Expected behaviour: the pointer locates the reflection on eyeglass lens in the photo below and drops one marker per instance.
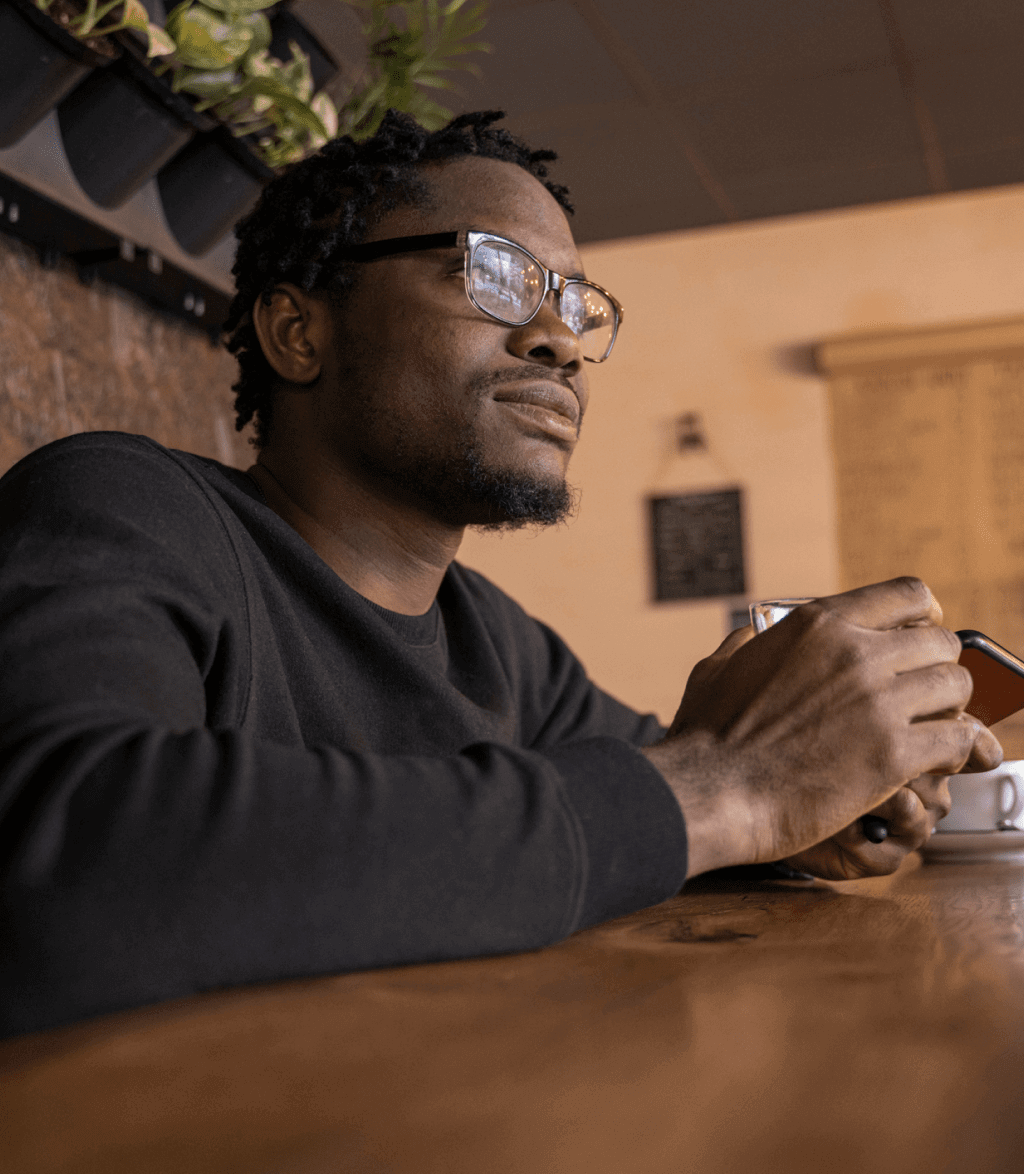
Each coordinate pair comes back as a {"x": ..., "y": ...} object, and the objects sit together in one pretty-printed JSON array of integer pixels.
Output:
[
  {"x": 506, "y": 282},
  {"x": 509, "y": 284}
]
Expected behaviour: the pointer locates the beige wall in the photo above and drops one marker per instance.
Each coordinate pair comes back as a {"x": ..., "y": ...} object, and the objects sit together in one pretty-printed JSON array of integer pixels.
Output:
[{"x": 715, "y": 320}]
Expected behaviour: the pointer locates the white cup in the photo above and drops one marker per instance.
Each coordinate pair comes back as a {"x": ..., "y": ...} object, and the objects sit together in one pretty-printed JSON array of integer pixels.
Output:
[{"x": 988, "y": 802}]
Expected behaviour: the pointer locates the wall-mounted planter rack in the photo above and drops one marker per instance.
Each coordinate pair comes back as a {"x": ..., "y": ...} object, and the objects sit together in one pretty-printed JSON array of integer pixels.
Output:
[
  {"x": 55, "y": 232},
  {"x": 121, "y": 124},
  {"x": 147, "y": 207},
  {"x": 42, "y": 63}
]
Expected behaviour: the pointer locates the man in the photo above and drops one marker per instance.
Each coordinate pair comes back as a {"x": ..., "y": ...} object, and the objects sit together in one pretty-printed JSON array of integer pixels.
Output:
[{"x": 258, "y": 726}]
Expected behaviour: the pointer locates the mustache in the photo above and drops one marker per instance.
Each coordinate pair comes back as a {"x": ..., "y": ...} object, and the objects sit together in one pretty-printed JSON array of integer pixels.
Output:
[{"x": 518, "y": 374}]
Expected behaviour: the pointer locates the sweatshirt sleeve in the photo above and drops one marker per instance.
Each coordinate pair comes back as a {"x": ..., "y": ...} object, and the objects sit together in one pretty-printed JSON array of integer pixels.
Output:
[{"x": 151, "y": 849}]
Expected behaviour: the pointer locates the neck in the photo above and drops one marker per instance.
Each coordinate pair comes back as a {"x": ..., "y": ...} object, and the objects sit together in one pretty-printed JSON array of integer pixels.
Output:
[{"x": 389, "y": 552}]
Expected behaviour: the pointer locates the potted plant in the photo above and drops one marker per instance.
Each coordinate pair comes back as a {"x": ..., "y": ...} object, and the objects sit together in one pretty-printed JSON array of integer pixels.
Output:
[
  {"x": 267, "y": 112},
  {"x": 270, "y": 104},
  {"x": 120, "y": 126},
  {"x": 410, "y": 59}
]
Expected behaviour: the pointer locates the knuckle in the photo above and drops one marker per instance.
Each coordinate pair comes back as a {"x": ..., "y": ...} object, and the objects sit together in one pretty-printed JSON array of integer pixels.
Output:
[
  {"x": 911, "y": 586},
  {"x": 951, "y": 641},
  {"x": 964, "y": 679},
  {"x": 814, "y": 614},
  {"x": 953, "y": 679}
]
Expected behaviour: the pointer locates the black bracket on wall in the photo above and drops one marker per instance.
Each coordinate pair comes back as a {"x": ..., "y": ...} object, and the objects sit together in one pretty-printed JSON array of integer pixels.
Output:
[{"x": 55, "y": 232}]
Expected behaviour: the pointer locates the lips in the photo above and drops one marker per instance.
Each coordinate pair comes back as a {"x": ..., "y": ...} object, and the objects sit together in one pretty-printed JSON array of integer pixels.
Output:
[{"x": 544, "y": 400}]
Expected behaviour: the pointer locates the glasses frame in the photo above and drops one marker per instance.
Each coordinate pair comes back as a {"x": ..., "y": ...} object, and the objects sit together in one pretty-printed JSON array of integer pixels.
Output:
[{"x": 469, "y": 239}]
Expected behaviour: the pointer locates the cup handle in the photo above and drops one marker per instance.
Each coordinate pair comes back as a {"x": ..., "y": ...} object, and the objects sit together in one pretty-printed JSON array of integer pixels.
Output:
[{"x": 1007, "y": 816}]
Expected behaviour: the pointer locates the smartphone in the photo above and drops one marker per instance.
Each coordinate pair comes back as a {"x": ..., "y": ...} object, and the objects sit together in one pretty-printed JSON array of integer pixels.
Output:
[{"x": 998, "y": 677}]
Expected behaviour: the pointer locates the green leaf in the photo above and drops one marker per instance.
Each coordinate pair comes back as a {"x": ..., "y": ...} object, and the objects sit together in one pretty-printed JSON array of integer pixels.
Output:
[
  {"x": 216, "y": 84},
  {"x": 296, "y": 109},
  {"x": 204, "y": 40},
  {"x": 238, "y": 7},
  {"x": 437, "y": 83},
  {"x": 160, "y": 44},
  {"x": 259, "y": 26},
  {"x": 324, "y": 108},
  {"x": 135, "y": 16}
]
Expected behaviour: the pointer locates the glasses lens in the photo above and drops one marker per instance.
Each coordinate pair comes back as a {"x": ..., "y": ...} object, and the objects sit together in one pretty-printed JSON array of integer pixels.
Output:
[
  {"x": 505, "y": 281},
  {"x": 588, "y": 313}
]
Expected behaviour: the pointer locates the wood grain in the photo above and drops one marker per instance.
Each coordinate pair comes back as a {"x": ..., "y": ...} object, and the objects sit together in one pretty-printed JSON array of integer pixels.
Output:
[{"x": 740, "y": 1027}]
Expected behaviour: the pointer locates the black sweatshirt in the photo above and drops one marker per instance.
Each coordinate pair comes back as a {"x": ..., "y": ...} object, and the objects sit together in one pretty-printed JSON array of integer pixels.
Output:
[{"x": 221, "y": 765}]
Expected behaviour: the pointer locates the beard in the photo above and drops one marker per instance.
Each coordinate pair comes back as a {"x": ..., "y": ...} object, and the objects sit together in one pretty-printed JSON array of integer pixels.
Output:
[
  {"x": 463, "y": 489},
  {"x": 447, "y": 470}
]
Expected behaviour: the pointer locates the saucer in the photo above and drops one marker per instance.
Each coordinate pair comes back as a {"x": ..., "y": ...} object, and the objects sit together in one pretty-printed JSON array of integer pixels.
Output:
[{"x": 974, "y": 845}]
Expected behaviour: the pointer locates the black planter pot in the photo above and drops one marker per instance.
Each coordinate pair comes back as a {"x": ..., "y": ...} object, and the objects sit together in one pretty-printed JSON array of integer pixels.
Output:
[
  {"x": 39, "y": 64},
  {"x": 121, "y": 126},
  {"x": 208, "y": 187}
]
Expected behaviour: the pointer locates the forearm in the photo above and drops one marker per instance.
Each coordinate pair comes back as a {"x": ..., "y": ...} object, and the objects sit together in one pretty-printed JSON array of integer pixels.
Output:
[{"x": 141, "y": 865}]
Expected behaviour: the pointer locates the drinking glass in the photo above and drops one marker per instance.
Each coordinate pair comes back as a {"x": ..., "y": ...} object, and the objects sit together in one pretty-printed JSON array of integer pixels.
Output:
[{"x": 766, "y": 612}]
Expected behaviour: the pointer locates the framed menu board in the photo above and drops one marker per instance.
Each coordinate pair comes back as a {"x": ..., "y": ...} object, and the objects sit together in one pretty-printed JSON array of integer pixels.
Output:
[
  {"x": 697, "y": 543},
  {"x": 928, "y": 434}
]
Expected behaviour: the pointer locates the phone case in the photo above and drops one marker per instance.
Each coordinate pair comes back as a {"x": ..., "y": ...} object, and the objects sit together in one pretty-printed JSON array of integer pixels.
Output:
[{"x": 998, "y": 677}]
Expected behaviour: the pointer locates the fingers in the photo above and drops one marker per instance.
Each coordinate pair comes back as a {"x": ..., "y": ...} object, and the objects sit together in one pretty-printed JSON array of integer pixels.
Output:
[
  {"x": 849, "y": 854},
  {"x": 933, "y": 791},
  {"x": 882, "y": 606},
  {"x": 944, "y": 746},
  {"x": 986, "y": 753},
  {"x": 932, "y": 690},
  {"x": 917, "y": 647},
  {"x": 907, "y": 816}
]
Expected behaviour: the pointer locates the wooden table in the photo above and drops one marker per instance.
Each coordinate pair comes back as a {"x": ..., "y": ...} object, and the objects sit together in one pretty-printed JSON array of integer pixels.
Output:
[{"x": 740, "y": 1028}]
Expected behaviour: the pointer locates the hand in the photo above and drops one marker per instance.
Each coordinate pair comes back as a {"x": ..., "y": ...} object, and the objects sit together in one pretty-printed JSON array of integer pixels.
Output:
[
  {"x": 911, "y": 814},
  {"x": 783, "y": 740}
]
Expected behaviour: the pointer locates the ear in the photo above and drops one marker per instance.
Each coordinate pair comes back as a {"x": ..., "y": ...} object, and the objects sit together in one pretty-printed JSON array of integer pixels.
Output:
[{"x": 293, "y": 332}]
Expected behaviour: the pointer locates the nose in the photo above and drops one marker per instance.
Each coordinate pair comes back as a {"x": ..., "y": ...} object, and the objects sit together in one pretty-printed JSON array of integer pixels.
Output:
[{"x": 547, "y": 340}]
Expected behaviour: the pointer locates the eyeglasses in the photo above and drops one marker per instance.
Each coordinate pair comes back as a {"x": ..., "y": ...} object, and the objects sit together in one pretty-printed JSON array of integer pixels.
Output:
[{"x": 508, "y": 283}]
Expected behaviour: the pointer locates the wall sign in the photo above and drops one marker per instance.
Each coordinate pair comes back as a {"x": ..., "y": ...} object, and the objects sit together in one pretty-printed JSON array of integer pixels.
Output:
[{"x": 697, "y": 543}]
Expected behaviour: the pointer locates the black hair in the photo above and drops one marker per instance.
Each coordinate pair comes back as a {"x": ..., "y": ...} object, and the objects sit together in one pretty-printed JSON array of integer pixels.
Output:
[{"x": 324, "y": 204}]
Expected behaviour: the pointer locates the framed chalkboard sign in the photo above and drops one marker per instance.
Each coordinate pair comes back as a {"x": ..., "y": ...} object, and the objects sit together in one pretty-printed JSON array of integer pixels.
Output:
[{"x": 697, "y": 542}]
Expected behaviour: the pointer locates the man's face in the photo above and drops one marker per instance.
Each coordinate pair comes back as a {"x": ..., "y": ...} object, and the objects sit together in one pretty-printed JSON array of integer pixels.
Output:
[{"x": 432, "y": 402}]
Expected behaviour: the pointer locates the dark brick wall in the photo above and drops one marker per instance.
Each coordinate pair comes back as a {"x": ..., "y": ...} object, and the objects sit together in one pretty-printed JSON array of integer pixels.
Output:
[{"x": 75, "y": 358}]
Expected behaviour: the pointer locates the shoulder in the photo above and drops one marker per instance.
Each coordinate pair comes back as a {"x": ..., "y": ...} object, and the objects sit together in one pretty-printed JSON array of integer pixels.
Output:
[
  {"x": 488, "y": 599},
  {"x": 92, "y": 467},
  {"x": 115, "y": 484},
  {"x": 524, "y": 638}
]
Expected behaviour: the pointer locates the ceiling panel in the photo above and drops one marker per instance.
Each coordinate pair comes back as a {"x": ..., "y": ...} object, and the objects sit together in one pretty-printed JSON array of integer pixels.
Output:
[
  {"x": 852, "y": 119},
  {"x": 952, "y": 27},
  {"x": 984, "y": 169},
  {"x": 694, "y": 43},
  {"x": 816, "y": 189},
  {"x": 544, "y": 56},
  {"x": 674, "y": 114},
  {"x": 622, "y": 167},
  {"x": 977, "y": 100}
]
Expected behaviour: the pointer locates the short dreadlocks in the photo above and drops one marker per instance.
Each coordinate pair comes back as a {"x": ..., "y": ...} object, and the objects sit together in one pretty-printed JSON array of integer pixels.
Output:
[{"x": 326, "y": 203}]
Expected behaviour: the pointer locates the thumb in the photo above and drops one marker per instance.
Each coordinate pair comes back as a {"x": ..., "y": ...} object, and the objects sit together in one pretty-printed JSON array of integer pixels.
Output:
[{"x": 711, "y": 665}]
